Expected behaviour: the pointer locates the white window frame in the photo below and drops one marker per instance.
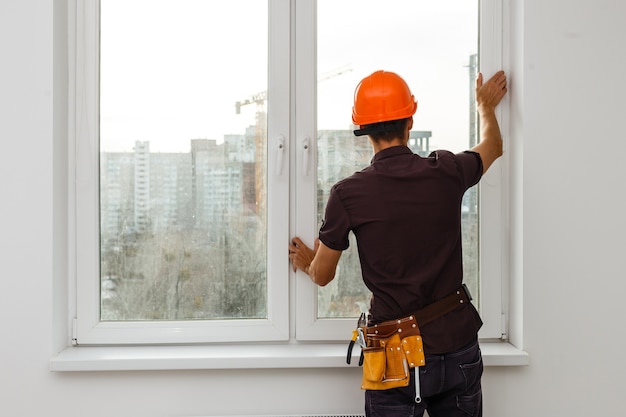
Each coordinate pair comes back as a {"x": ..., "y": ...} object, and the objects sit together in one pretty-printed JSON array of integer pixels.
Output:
[
  {"x": 84, "y": 200},
  {"x": 286, "y": 322},
  {"x": 493, "y": 197}
]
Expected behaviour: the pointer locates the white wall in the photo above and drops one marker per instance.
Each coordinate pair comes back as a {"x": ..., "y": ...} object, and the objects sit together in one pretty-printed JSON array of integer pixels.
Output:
[
  {"x": 568, "y": 67},
  {"x": 570, "y": 108}
]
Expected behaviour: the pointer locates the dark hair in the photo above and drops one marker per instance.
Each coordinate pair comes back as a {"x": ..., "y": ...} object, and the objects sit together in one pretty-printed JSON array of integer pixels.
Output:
[{"x": 385, "y": 131}]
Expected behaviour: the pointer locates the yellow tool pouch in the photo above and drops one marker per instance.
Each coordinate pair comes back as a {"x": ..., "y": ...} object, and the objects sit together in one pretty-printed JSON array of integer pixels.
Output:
[{"x": 392, "y": 349}]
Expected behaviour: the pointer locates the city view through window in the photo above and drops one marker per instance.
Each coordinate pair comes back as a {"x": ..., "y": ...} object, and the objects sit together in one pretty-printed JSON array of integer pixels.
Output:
[{"x": 183, "y": 155}]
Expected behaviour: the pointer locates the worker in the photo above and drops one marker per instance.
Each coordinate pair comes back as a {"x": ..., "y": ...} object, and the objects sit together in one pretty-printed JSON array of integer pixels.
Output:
[{"x": 405, "y": 212}]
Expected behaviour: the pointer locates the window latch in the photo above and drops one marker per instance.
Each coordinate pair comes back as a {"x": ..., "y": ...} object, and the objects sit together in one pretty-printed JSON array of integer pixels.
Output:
[
  {"x": 280, "y": 151},
  {"x": 306, "y": 147}
]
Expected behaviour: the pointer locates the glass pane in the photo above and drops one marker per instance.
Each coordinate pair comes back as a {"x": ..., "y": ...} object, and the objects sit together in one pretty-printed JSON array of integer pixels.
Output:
[
  {"x": 182, "y": 159},
  {"x": 433, "y": 45}
]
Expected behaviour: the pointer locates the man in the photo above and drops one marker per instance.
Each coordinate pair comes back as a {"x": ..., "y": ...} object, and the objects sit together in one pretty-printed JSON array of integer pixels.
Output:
[{"x": 405, "y": 212}]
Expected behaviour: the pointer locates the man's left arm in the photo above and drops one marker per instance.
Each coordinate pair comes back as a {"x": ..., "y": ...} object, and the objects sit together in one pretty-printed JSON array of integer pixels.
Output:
[{"x": 319, "y": 263}]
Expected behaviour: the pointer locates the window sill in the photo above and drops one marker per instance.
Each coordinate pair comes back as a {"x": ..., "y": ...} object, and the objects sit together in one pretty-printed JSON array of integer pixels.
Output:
[{"x": 144, "y": 358}]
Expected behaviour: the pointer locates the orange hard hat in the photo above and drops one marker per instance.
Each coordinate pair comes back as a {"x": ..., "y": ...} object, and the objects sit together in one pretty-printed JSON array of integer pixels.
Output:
[{"x": 380, "y": 97}]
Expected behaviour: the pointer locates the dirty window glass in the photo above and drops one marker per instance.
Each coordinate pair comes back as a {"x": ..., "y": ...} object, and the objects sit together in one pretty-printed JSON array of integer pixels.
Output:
[{"x": 182, "y": 161}]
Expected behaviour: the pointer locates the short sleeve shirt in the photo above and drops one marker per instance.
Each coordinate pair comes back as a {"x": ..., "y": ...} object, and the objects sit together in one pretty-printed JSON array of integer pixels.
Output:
[{"x": 405, "y": 212}]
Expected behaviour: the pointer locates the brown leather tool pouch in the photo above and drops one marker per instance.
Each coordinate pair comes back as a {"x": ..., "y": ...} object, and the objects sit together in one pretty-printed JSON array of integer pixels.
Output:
[{"x": 393, "y": 347}]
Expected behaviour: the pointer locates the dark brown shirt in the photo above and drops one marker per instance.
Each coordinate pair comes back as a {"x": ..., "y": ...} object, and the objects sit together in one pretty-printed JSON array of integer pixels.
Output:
[{"x": 405, "y": 212}]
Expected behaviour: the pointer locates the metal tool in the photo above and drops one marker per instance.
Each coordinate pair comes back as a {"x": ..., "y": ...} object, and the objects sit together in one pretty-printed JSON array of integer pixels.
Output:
[{"x": 358, "y": 337}]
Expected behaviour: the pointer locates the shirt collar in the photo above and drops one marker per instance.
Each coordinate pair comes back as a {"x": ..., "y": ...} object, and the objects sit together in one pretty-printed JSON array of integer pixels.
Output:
[{"x": 393, "y": 151}]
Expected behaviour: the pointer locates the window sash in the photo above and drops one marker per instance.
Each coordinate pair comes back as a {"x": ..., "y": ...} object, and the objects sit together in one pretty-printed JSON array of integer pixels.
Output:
[
  {"x": 493, "y": 200},
  {"x": 88, "y": 329}
]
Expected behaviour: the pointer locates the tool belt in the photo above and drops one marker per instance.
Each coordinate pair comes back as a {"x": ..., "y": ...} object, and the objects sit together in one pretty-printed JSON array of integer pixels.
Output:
[{"x": 391, "y": 348}]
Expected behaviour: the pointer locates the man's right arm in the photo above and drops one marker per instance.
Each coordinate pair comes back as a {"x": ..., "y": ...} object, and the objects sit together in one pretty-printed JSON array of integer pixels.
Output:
[
  {"x": 488, "y": 96},
  {"x": 319, "y": 263}
]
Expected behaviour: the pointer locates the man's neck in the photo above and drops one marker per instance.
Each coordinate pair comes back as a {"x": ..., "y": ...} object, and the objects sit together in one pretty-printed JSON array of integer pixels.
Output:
[{"x": 382, "y": 144}]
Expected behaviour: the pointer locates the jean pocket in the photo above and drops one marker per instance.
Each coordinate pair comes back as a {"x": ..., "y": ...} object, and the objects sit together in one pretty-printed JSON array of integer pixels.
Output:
[
  {"x": 472, "y": 372},
  {"x": 470, "y": 401}
]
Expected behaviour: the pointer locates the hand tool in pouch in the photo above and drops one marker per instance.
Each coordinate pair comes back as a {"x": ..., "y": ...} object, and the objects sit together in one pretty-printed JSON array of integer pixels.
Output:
[{"x": 358, "y": 337}]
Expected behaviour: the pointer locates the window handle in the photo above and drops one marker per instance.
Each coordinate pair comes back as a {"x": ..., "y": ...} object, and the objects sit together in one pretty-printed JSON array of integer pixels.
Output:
[
  {"x": 306, "y": 148},
  {"x": 280, "y": 151}
]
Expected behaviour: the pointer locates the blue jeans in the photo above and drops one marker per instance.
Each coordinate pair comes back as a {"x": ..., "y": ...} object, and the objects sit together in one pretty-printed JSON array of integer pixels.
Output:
[{"x": 449, "y": 384}]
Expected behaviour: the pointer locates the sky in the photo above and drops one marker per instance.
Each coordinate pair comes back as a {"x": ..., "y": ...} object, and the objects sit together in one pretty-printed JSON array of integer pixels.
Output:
[{"x": 172, "y": 70}]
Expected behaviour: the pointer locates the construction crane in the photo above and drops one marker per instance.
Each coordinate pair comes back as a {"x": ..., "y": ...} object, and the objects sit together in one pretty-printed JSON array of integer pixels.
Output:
[
  {"x": 258, "y": 99},
  {"x": 334, "y": 73}
]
